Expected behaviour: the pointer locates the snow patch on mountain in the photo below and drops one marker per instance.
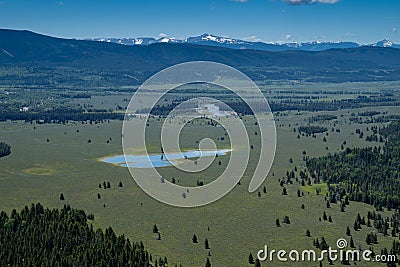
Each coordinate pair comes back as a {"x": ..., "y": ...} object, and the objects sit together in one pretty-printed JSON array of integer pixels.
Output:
[{"x": 213, "y": 40}]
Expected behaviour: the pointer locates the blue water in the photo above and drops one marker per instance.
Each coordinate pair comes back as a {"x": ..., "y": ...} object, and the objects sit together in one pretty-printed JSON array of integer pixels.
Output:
[{"x": 142, "y": 161}]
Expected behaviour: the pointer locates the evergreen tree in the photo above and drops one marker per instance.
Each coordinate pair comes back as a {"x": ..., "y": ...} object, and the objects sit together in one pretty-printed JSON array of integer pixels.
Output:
[
  {"x": 352, "y": 243},
  {"x": 348, "y": 233},
  {"x": 286, "y": 220},
  {"x": 5, "y": 149},
  {"x": 323, "y": 244},
  {"x": 206, "y": 245},
  {"x": 208, "y": 263},
  {"x": 251, "y": 259},
  {"x": 284, "y": 191}
]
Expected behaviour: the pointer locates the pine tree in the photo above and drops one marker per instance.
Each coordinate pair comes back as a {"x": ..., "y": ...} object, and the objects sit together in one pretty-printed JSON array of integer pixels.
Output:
[
  {"x": 352, "y": 243},
  {"x": 62, "y": 196},
  {"x": 194, "y": 239},
  {"x": 284, "y": 191},
  {"x": 308, "y": 233},
  {"x": 155, "y": 229},
  {"x": 323, "y": 244},
  {"x": 251, "y": 259},
  {"x": 286, "y": 219},
  {"x": 324, "y": 216},
  {"x": 348, "y": 233},
  {"x": 277, "y": 223},
  {"x": 317, "y": 245},
  {"x": 206, "y": 245},
  {"x": 208, "y": 263},
  {"x": 257, "y": 263}
]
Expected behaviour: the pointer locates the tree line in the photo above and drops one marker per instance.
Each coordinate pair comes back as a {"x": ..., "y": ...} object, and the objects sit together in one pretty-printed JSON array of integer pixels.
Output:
[{"x": 60, "y": 115}]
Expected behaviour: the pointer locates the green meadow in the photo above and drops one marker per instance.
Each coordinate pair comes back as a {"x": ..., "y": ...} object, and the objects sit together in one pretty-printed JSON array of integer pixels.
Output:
[{"x": 50, "y": 159}]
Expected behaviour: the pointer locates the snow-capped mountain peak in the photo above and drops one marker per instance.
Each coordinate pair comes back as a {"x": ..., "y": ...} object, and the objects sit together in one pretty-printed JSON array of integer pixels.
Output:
[
  {"x": 383, "y": 43},
  {"x": 213, "y": 40}
]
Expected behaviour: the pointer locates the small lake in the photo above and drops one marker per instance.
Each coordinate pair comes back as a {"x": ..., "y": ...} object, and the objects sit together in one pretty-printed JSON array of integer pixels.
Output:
[{"x": 160, "y": 160}]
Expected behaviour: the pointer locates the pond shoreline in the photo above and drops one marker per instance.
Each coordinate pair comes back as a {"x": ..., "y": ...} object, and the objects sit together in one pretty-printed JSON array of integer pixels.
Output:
[{"x": 159, "y": 160}]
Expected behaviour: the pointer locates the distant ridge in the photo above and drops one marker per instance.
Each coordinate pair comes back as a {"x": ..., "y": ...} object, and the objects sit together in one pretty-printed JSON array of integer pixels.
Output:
[
  {"x": 213, "y": 40},
  {"x": 366, "y": 63}
]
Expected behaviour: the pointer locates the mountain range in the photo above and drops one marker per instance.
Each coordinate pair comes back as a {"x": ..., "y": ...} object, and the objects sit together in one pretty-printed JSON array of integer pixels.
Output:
[
  {"x": 44, "y": 53},
  {"x": 213, "y": 40}
]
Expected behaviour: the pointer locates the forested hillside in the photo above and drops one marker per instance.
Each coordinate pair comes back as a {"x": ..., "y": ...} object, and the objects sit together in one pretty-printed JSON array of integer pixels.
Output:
[
  {"x": 42, "y": 237},
  {"x": 370, "y": 175}
]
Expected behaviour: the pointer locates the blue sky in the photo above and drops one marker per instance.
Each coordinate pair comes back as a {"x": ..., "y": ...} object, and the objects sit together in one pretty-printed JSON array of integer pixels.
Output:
[{"x": 362, "y": 21}]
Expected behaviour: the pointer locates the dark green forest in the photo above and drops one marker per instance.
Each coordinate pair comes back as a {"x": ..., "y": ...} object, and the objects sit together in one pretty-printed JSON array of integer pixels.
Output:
[
  {"x": 370, "y": 175},
  {"x": 62, "y": 237},
  {"x": 59, "y": 115},
  {"x": 5, "y": 149}
]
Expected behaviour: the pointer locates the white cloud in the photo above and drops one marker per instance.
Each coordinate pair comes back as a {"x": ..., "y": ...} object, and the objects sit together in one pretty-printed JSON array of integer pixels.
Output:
[
  {"x": 60, "y": 3},
  {"x": 394, "y": 30},
  {"x": 349, "y": 34},
  {"x": 309, "y": 2},
  {"x": 162, "y": 35},
  {"x": 239, "y": 1},
  {"x": 252, "y": 38},
  {"x": 287, "y": 37}
]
